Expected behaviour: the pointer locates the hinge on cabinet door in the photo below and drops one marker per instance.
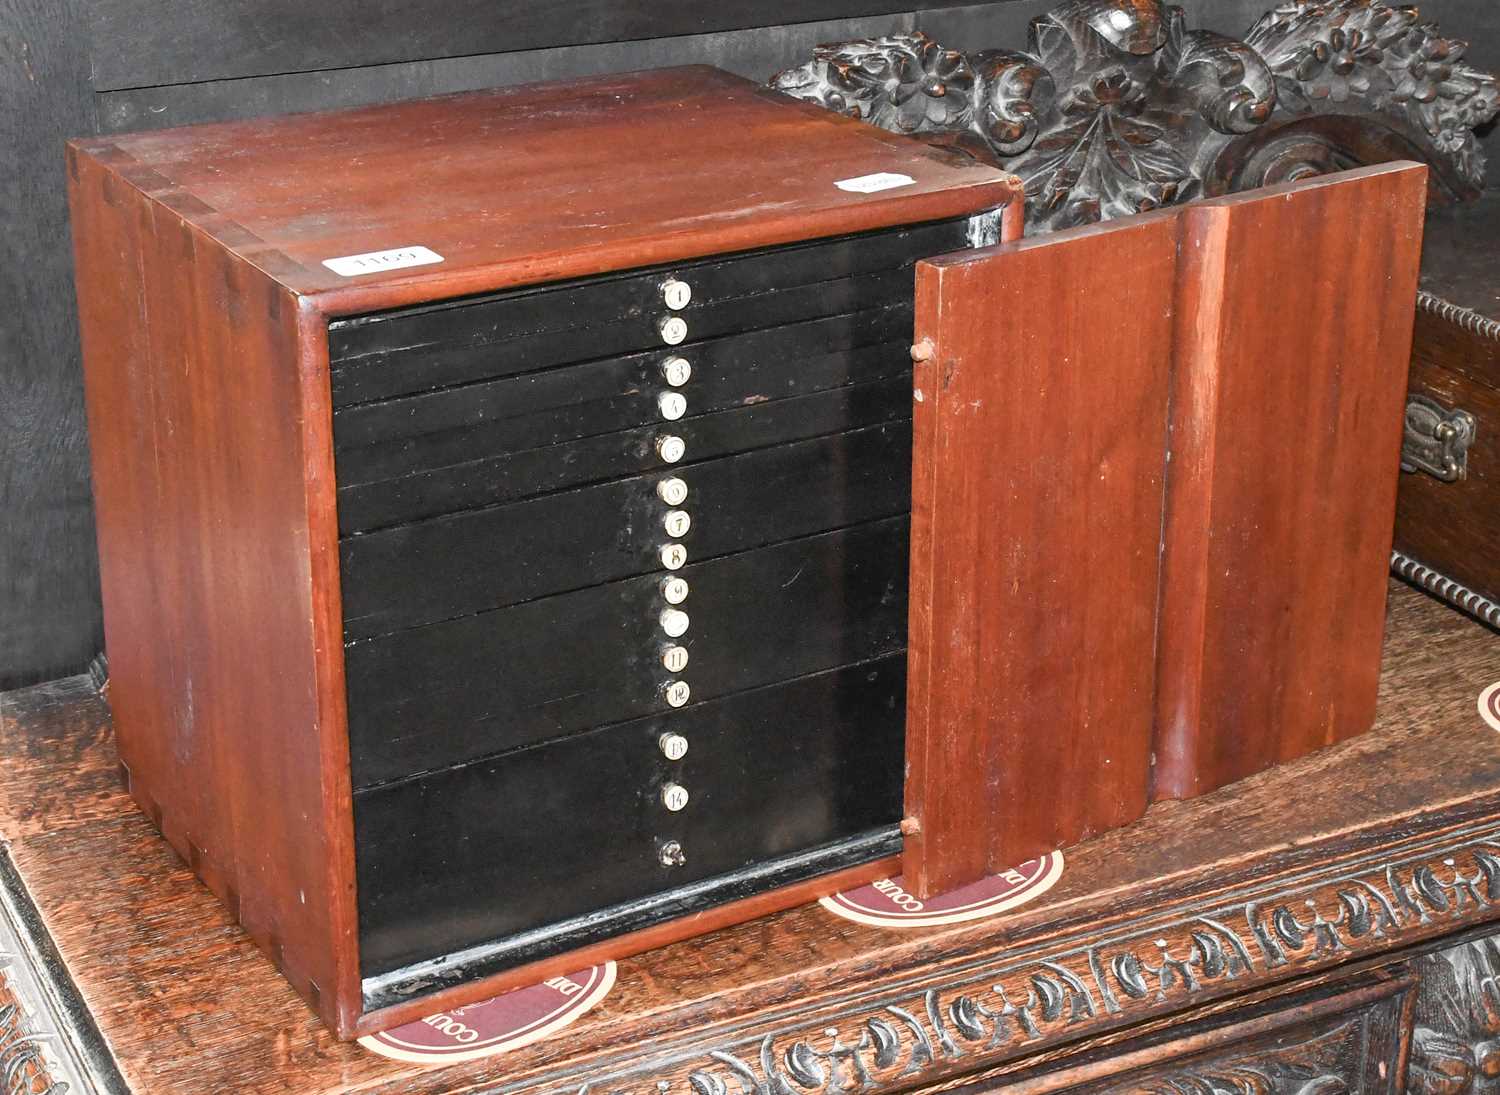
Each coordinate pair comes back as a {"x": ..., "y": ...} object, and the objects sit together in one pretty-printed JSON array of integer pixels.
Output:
[{"x": 1437, "y": 439}]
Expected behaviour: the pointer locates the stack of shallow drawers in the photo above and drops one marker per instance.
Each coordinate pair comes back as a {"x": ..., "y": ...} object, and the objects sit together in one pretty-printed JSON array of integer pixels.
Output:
[{"x": 623, "y": 567}]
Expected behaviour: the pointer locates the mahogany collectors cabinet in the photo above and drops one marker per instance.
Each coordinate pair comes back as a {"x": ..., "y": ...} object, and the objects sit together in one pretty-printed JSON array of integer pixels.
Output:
[{"x": 511, "y": 543}]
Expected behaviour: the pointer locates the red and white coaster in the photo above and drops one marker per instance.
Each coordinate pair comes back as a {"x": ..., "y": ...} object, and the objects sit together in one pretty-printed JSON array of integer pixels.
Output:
[
  {"x": 885, "y": 904},
  {"x": 1489, "y": 705},
  {"x": 498, "y": 1024}
]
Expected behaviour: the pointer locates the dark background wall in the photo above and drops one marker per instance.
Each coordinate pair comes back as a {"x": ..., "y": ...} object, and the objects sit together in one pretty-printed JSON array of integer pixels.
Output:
[{"x": 75, "y": 67}]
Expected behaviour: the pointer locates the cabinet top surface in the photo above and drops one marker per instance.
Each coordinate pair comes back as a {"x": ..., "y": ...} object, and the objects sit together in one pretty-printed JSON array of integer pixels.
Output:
[{"x": 529, "y": 184}]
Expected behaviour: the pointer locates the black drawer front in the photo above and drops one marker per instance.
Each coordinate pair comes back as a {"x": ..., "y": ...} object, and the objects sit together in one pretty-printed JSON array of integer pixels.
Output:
[
  {"x": 381, "y": 356},
  {"x": 483, "y": 852},
  {"x": 509, "y": 477},
  {"x": 469, "y": 688},
  {"x": 400, "y": 437},
  {"x": 471, "y": 562}
]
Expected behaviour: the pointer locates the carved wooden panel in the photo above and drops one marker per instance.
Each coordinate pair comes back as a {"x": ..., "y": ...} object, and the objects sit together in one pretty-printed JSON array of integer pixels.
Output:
[
  {"x": 1350, "y": 1038},
  {"x": 1456, "y": 1045},
  {"x": 1116, "y": 106}
]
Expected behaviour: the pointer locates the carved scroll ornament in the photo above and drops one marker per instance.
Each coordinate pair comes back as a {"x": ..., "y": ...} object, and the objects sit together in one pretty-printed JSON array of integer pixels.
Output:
[{"x": 1116, "y": 107}]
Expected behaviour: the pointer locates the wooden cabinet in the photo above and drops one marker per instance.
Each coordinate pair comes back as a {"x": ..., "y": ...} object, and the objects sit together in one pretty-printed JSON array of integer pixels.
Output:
[
  {"x": 441, "y": 481},
  {"x": 527, "y": 539}
]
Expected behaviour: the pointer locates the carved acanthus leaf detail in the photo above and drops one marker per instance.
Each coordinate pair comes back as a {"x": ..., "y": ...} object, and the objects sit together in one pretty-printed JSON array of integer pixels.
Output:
[
  {"x": 1116, "y": 107},
  {"x": 1362, "y": 56},
  {"x": 1456, "y": 1044}
]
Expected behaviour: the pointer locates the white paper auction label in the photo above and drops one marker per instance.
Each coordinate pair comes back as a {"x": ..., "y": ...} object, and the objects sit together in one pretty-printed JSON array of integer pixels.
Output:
[
  {"x": 501, "y": 1023},
  {"x": 885, "y": 903},
  {"x": 869, "y": 184},
  {"x": 1489, "y": 705},
  {"x": 378, "y": 262}
]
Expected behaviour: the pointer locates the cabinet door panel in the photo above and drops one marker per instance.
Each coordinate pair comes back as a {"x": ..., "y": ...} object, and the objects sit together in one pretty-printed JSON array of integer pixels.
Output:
[{"x": 1039, "y": 452}]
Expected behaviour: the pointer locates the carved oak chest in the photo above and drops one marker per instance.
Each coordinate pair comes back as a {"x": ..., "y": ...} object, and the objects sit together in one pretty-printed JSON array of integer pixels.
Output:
[
  {"x": 504, "y": 502},
  {"x": 1448, "y": 519}
]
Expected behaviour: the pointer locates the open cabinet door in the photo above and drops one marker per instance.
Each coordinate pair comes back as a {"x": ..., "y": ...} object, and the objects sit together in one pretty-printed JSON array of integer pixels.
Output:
[
  {"x": 1039, "y": 447},
  {"x": 1154, "y": 474},
  {"x": 1294, "y": 331}
]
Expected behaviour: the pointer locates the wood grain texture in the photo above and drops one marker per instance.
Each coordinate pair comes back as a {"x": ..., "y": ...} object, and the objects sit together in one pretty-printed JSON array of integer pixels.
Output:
[
  {"x": 1288, "y": 391},
  {"x": 186, "y": 1000},
  {"x": 1039, "y": 446},
  {"x": 489, "y": 181},
  {"x": 213, "y": 471}
]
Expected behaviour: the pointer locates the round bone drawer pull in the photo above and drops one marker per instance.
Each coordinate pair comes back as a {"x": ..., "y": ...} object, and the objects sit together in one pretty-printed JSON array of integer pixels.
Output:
[
  {"x": 673, "y": 746},
  {"x": 674, "y": 659},
  {"x": 670, "y": 448},
  {"x": 672, "y": 405},
  {"x": 676, "y": 293},
  {"x": 672, "y": 491},
  {"x": 677, "y": 693},
  {"x": 674, "y": 622},
  {"x": 675, "y": 590},
  {"x": 674, "y": 796},
  {"x": 673, "y": 556},
  {"x": 677, "y": 522},
  {"x": 673, "y": 330},
  {"x": 676, "y": 371}
]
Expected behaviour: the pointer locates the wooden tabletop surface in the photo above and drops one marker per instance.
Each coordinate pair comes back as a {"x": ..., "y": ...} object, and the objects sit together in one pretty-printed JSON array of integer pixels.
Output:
[{"x": 188, "y": 1003}]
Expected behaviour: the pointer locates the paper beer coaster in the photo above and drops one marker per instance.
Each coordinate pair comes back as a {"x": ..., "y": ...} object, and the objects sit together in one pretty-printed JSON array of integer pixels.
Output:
[
  {"x": 885, "y": 904},
  {"x": 501, "y": 1023},
  {"x": 1489, "y": 705}
]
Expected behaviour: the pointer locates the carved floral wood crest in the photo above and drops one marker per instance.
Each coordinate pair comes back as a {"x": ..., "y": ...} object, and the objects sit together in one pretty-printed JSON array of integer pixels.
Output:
[{"x": 1116, "y": 107}]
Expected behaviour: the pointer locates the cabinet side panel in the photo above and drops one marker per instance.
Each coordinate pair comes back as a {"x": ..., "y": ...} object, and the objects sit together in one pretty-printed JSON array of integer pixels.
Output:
[
  {"x": 210, "y": 531},
  {"x": 1039, "y": 444},
  {"x": 1295, "y": 328}
]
